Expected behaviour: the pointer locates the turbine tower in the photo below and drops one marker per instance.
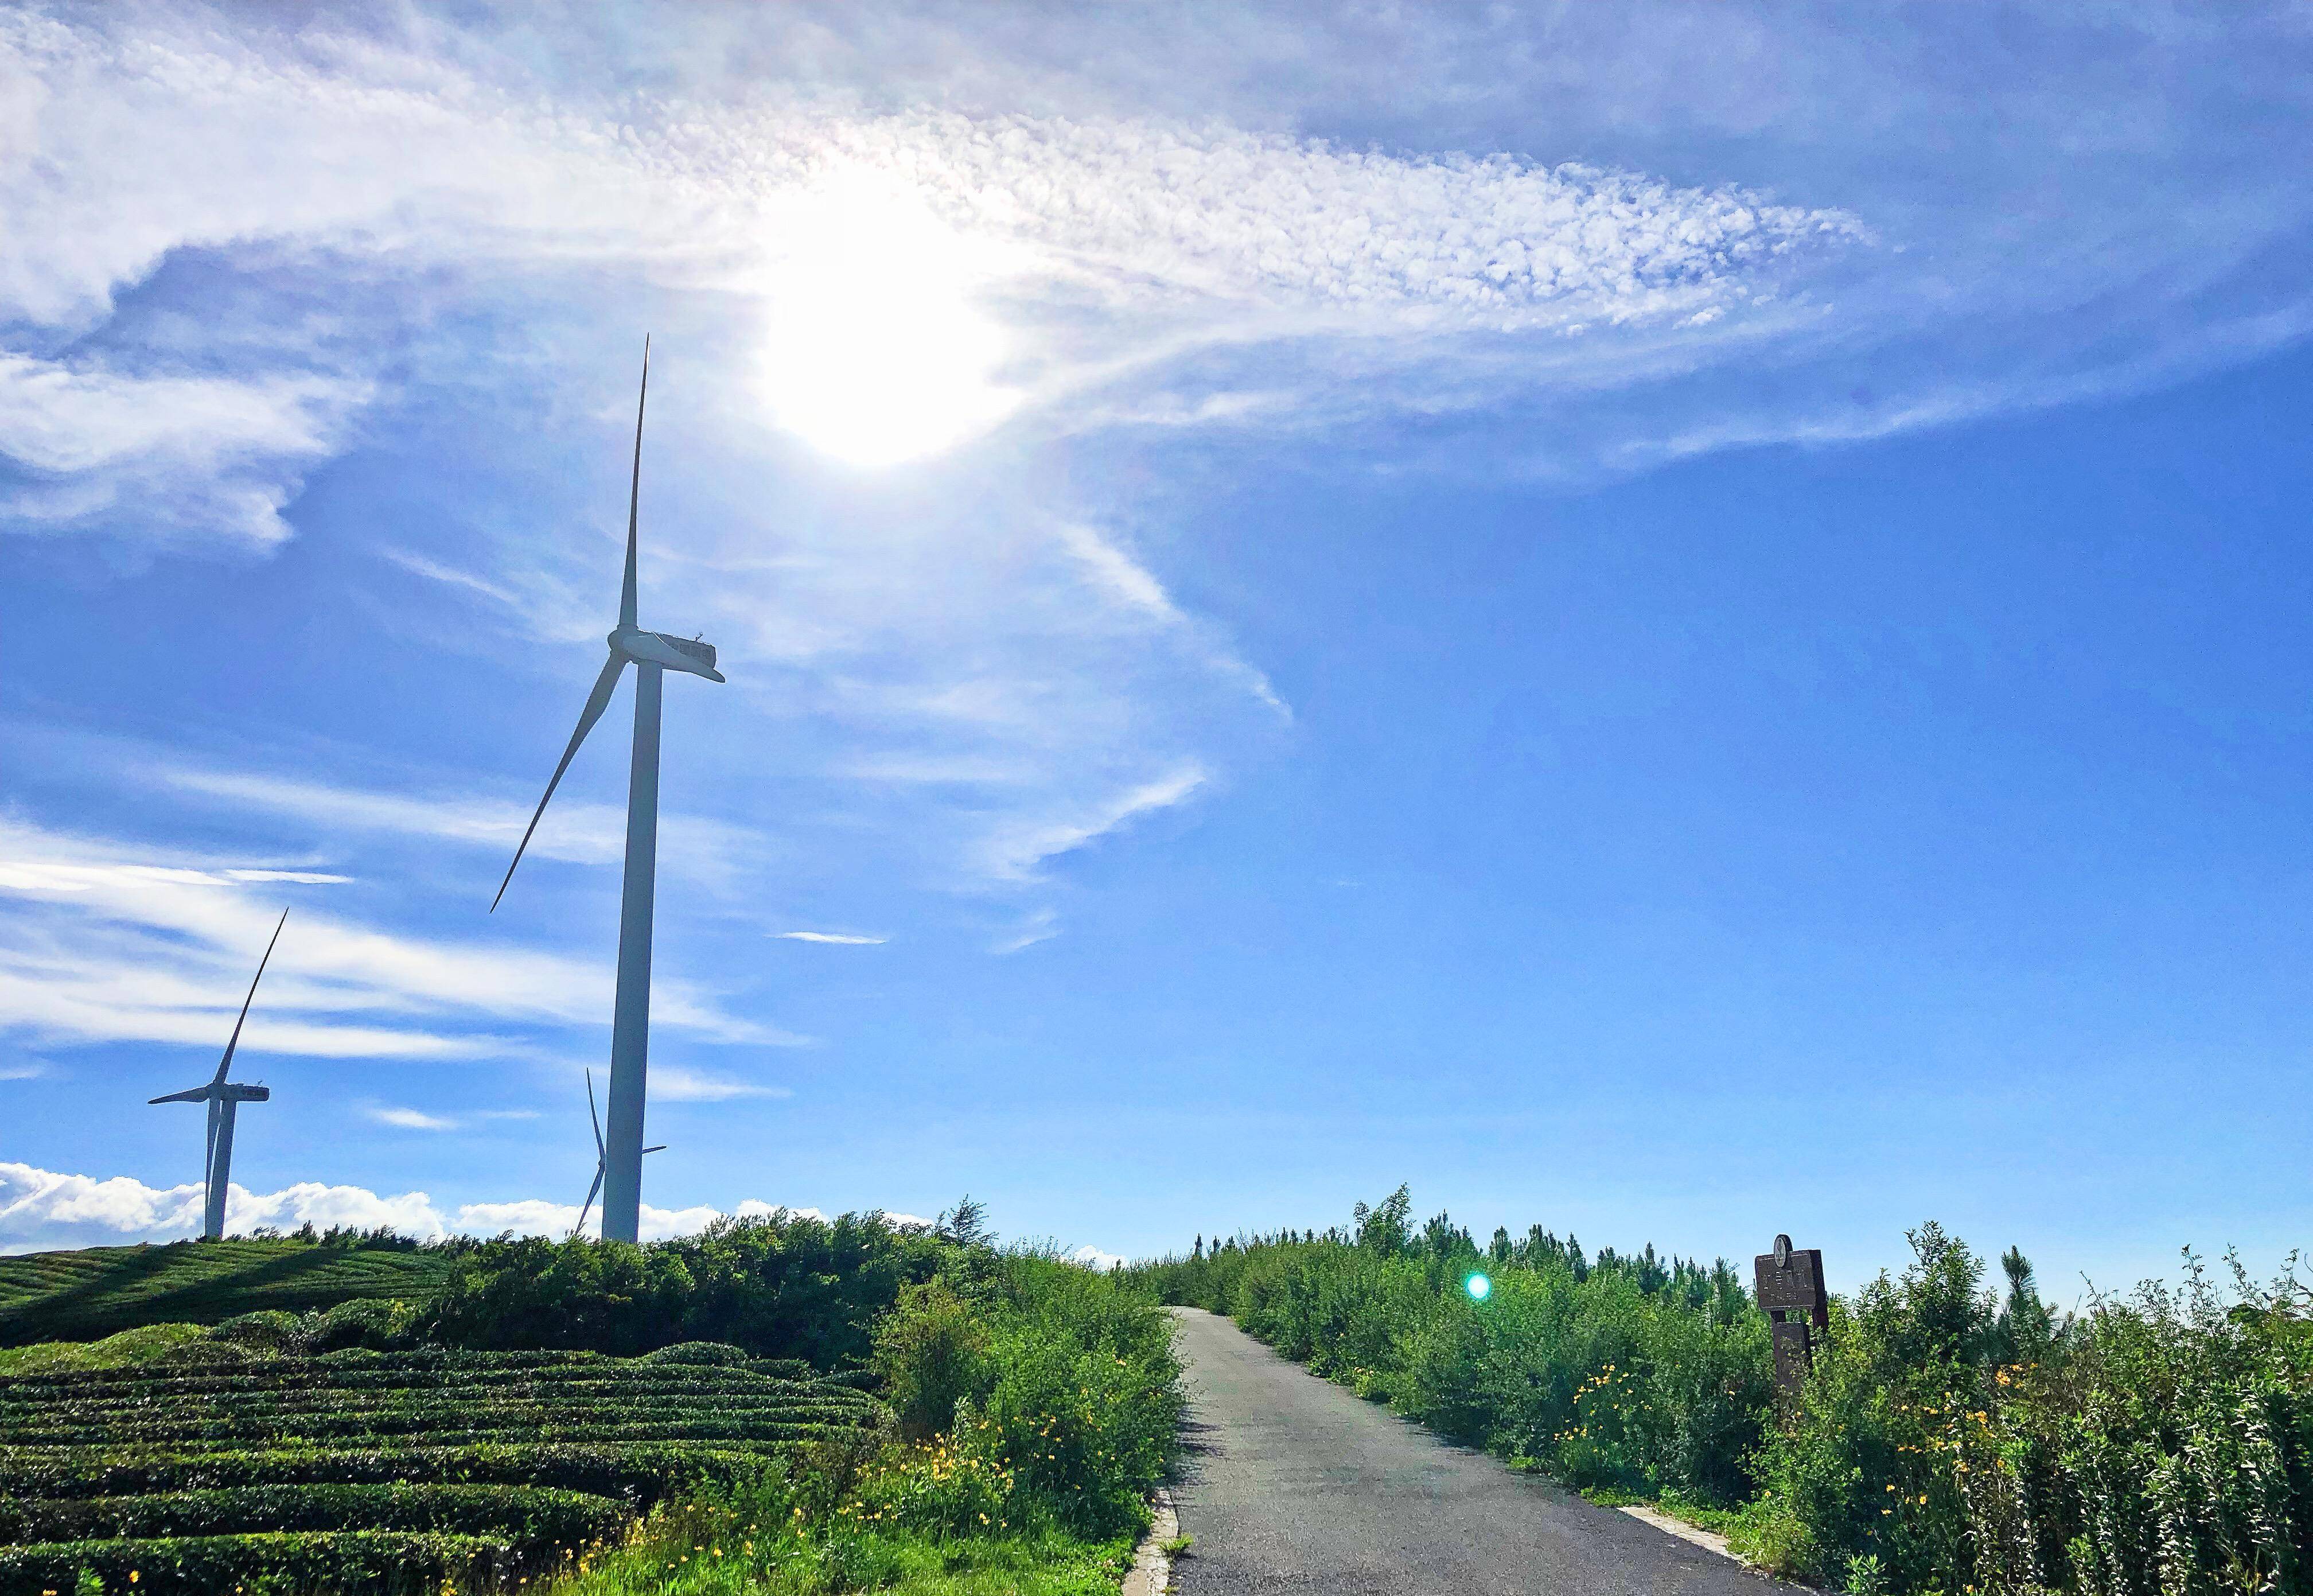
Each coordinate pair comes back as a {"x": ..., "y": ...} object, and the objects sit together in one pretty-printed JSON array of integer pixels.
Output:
[
  {"x": 653, "y": 654},
  {"x": 580, "y": 1228},
  {"x": 224, "y": 1098}
]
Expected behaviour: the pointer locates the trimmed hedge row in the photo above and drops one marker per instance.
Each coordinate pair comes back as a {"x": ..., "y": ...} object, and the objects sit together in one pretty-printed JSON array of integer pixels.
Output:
[
  {"x": 436, "y": 1429},
  {"x": 385, "y": 1403},
  {"x": 521, "y": 1512},
  {"x": 638, "y": 1473},
  {"x": 349, "y": 1563},
  {"x": 234, "y": 1362},
  {"x": 290, "y": 1371}
]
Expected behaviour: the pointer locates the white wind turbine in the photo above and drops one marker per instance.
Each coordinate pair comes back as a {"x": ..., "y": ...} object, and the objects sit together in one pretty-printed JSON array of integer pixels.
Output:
[
  {"x": 224, "y": 1098},
  {"x": 652, "y": 653},
  {"x": 600, "y": 1158}
]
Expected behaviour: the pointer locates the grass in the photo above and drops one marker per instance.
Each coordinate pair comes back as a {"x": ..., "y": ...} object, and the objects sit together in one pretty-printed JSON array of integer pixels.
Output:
[
  {"x": 95, "y": 1293},
  {"x": 1671, "y": 1504},
  {"x": 908, "y": 1565}
]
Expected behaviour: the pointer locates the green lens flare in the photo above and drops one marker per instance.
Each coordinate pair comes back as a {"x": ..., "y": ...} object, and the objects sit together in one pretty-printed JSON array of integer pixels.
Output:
[{"x": 1478, "y": 1287}]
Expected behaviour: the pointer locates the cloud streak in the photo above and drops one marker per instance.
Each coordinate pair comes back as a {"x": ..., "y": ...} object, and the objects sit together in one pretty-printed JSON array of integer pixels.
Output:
[{"x": 100, "y": 945}]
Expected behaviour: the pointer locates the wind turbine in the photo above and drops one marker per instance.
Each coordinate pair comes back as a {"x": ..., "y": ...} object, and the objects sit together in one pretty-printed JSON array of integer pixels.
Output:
[
  {"x": 224, "y": 1098},
  {"x": 600, "y": 1159},
  {"x": 652, "y": 653}
]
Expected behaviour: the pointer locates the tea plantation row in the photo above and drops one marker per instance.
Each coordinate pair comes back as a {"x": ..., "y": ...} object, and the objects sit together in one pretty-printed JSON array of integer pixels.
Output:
[{"x": 212, "y": 1470}]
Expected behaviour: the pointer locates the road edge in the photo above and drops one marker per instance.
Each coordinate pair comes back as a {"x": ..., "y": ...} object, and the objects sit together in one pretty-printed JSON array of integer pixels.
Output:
[
  {"x": 1151, "y": 1573},
  {"x": 1693, "y": 1534}
]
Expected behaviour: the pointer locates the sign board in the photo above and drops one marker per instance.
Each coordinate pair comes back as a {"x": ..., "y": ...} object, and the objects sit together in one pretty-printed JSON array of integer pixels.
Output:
[{"x": 1791, "y": 1290}]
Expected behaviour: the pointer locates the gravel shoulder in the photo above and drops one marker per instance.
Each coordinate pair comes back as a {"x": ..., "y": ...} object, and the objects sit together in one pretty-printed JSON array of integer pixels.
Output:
[{"x": 1291, "y": 1483}]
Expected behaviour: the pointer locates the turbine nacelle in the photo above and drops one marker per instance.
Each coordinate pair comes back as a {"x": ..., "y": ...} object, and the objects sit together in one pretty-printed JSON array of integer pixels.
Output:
[
  {"x": 661, "y": 648},
  {"x": 227, "y": 1091}
]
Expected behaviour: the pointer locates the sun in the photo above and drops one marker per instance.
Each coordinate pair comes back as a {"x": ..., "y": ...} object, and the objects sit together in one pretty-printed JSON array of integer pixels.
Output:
[{"x": 877, "y": 350}]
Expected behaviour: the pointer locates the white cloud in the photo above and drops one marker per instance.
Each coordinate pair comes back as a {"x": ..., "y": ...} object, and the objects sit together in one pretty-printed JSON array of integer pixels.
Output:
[
  {"x": 835, "y": 938},
  {"x": 41, "y": 1209},
  {"x": 916, "y": 236},
  {"x": 673, "y": 1084},
  {"x": 1091, "y": 1258},
  {"x": 181, "y": 454},
  {"x": 580, "y": 833},
  {"x": 1040, "y": 925},
  {"x": 100, "y": 945},
  {"x": 1016, "y": 853},
  {"x": 408, "y": 1119}
]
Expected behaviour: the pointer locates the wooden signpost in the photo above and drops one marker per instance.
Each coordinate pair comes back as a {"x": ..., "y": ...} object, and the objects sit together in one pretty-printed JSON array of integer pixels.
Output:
[{"x": 1790, "y": 1291}]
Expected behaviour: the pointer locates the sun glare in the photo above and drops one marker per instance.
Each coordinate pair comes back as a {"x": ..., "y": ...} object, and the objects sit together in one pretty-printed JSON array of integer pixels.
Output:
[{"x": 877, "y": 353}]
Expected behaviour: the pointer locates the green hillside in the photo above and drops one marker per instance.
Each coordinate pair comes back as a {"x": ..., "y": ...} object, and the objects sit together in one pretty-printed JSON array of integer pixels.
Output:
[{"x": 81, "y": 1296}]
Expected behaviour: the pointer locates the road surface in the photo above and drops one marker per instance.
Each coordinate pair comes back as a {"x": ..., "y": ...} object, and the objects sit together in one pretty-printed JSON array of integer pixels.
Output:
[{"x": 1291, "y": 1483}]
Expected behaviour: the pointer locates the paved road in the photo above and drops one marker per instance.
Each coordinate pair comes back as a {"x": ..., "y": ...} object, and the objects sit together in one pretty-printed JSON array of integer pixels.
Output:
[{"x": 1293, "y": 1483}]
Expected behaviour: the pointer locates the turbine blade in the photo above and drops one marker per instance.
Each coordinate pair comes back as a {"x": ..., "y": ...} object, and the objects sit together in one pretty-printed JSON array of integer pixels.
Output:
[
  {"x": 635, "y": 499},
  {"x": 198, "y": 1094},
  {"x": 596, "y": 702},
  {"x": 599, "y": 1154},
  {"x": 226, "y": 1062},
  {"x": 660, "y": 1148},
  {"x": 589, "y": 1207},
  {"x": 209, "y": 1155}
]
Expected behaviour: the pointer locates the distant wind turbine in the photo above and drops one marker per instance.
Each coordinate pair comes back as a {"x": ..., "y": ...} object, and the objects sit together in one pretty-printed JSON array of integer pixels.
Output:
[
  {"x": 654, "y": 652},
  {"x": 579, "y": 1229},
  {"x": 224, "y": 1098}
]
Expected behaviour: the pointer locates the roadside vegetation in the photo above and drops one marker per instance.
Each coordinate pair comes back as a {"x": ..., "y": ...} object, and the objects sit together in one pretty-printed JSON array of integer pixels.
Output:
[
  {"x": 780, "y": 1404},
  {"x": 1952, "y": 1437}
]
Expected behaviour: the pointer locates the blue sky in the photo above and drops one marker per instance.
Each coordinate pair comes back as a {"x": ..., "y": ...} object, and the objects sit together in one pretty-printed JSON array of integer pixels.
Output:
[{"x": 1681, "y": 622}]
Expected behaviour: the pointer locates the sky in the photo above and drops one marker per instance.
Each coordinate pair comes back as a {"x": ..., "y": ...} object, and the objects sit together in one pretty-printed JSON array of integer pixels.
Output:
[{"x": 1680, "y": 622}]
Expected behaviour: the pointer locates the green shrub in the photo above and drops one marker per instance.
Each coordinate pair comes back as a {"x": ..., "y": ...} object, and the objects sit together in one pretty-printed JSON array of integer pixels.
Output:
[
  {"x": 123, "y": 1349},
  {"x": 268, "y": 1329},
  {"x": 1081, "y": 1398},
  {"x": 784, "y": 1286},
  {"x": 931, "y": 1350},
  {"x": 379, "y": 1324},
  {"x": 700, "y": 1353}
]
